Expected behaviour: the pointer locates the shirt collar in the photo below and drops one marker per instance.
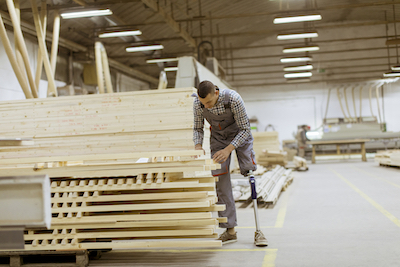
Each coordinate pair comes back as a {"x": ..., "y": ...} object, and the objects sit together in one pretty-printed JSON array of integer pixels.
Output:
[{"x": 221, "y": 97}]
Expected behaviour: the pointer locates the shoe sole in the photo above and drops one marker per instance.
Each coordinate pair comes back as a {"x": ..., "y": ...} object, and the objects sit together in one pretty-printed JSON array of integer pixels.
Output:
[
  {"x": 229, "y": 241},
  {"x": 261, "y": 244}
]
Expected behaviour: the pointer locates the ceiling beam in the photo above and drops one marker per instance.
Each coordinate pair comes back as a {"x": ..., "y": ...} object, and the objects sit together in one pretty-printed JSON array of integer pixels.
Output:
[
  {"x": 274, "y": 13},
  {"x": 319, "y": 61},
  {"x": 311, "y": 54},
  {"x": 170, "y": 22}
]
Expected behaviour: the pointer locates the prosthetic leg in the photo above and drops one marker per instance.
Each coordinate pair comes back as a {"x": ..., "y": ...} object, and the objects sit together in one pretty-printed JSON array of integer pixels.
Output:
[{"x": 259, "y": 238}]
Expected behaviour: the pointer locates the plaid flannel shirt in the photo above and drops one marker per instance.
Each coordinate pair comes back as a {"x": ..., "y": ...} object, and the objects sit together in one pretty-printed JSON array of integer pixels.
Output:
[{"x": 239, "y": 114}]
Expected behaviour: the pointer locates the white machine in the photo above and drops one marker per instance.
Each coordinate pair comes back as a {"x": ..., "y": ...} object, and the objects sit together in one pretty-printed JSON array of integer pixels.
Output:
[{"x": 24, "y": 203}]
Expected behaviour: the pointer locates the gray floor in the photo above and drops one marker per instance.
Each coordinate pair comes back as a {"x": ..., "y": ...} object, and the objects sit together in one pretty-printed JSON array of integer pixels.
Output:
[{"x": 339, "y": 213}]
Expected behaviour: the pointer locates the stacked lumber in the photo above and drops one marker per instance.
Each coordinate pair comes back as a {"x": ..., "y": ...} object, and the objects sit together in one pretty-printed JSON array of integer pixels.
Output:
[
  {"x": 272, "y": 158},
  {"x": 161, "y": 200},
  {"x": 122, "y": 174},
  {"x": 153, "y": 120},
  {"x": 270, "y": 185},
  {"x": 267, "y": 149},
  {"x": 388, "y": 157}
]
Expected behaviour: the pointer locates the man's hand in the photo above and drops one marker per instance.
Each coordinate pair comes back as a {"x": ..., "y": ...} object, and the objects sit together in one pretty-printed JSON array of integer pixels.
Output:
[
  {"x": 199, "y": 147},
  {"x": 222, "y": 155}
]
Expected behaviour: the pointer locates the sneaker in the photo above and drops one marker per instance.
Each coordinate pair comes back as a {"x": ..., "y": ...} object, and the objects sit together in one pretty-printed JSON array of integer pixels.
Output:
[
  {"x": 259, "y": 239},
  {"x": 227, "y": 238}
]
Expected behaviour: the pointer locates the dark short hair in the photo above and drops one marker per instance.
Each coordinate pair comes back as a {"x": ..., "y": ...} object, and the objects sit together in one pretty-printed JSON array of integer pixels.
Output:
[{"x": 205, "y": 88}]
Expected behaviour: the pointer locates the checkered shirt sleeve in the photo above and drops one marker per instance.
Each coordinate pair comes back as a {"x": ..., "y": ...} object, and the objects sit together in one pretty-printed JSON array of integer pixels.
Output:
[
  {"x": 198, "y": 126},
  {"x": 242, "y": 121}
]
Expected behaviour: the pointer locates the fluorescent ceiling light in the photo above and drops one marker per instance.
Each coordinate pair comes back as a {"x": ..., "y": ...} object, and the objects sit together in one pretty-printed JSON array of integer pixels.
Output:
[
  {"x": 298, "y": 68},
  {"x": 297, "y": 36},
  {"x": 396, "y": 68},
  {"x": 300, "y": 80},
  {"x": 159, "y": 60},
  {"x": 391, "y": 74},
  {"x": 297, "y": 19},
  {"x": 88, "y": 13},
  {"x": 298, "y": 75},
  {"x": 295, "y": 59},
  {"x": 119, "y": 34},
  {"x": 301, "y": 49},
  {"x": 171, "y": 69},
  {"x": 144, "y": 48}
]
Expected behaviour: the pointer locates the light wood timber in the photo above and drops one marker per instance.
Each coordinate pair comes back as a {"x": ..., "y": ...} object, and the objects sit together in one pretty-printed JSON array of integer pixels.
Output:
[
  {"x": 99, "y": 67},
  {"x": 54, "y": 43},
  {"x": 43, "y": 21},
  {"x": 14, "y": 64},
  {"x": 142, "y": 244},
  {"x": 21, "y": 44},
  {"x": 156, "y": 206},
  {"x": 145, "y": 224},
  {"x": 132, "y": 217}
]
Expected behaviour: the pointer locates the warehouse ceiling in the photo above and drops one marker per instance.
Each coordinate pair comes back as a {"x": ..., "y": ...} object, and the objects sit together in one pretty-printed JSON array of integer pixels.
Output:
[{"x": 242, "y": 34}]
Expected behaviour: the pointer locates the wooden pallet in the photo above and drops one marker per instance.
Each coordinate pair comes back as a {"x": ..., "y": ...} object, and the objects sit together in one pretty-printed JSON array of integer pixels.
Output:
[{"x": 71, "y": 258}]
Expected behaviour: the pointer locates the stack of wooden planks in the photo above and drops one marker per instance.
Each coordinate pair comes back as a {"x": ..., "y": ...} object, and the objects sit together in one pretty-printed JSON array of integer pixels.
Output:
[
  {"x": 388, "y": 157},
  {"x": 152, "y": 120},
  {"x": 270, "y": 185},
  {"x": 267, "y": 149},
  {"x": 162, "y": 204},
  {"x": 123, "y": 170}
]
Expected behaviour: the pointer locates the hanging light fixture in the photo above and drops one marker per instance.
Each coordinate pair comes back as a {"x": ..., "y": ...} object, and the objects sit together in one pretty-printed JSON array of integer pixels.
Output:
[
  {"x": 171, "y": 69},
  {"x": 301, "y": 49},
  {"x": 160, "y": 60},
  {"x": 301, "y": 18},
  {"x": 85, "y": 14},
  {"x": 119, "y": 34},
  {"x": 298, "y": 75},
  {"x": 295, "y": 59},
  {"x": 144, "y": 48},
  {"x": 298, "y": 68},
  {"x": 297, "y": 35}
]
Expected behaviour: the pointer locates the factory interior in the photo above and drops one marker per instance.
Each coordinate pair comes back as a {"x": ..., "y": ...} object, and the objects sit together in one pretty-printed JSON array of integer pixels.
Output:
[{"x": 221, "y": 133}]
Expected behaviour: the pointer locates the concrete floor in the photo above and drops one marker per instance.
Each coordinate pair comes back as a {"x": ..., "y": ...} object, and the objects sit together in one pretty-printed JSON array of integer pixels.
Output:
[{"x": 339, "y": 213}]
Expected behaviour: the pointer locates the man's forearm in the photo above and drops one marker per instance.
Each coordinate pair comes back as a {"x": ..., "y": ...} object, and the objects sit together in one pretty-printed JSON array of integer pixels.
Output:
[{"x": 230, "y": 148}]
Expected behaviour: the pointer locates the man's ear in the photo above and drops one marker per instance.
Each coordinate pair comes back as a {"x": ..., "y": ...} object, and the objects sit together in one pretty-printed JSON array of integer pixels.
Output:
[{"x": 217, "y": 92}]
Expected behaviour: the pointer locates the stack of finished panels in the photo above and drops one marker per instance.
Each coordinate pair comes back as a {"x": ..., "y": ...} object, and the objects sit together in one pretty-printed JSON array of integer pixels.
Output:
[
  {"x": 122, "y": 167},
  {"x": 388, "y": 157},
  {"x": 152, "y": 120},
  {"x": 267, "y": 149}
]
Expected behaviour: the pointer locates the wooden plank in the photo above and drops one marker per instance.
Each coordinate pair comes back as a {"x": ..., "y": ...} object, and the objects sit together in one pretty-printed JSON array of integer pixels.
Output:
[
  {"x": 122, "y": 234},
  {"x": 156, "y": 206},
  {"x": 131, "y": 217},
  {"x": 143, "y": 224}
]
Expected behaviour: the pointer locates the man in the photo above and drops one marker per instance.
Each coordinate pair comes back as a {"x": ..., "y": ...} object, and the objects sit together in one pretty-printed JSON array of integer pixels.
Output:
[
  {"x": 230, "y": 130},
  {"x": 302, "y": 139}
]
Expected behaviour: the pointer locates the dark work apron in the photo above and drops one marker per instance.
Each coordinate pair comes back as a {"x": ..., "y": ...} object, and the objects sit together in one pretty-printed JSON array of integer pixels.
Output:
[{"x": 223, "y": 130}]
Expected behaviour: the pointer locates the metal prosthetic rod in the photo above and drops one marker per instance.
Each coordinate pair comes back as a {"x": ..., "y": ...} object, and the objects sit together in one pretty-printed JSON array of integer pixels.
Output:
[{"x": 252, "y": 182}]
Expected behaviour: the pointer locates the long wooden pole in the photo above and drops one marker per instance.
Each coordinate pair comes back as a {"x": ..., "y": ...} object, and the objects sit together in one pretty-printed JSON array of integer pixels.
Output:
[
  {"x": 14, "y": 64},
  {"x": 54, "y": 45},
  {"x": 106, "y": 69},
  {"x": 17, "y": 48},
  {"x": 42, "y": 45},
  {"x": 39, "y": 65},
  {"x": 99, "y": 67},
  {"x": 21, "y": 44}
]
